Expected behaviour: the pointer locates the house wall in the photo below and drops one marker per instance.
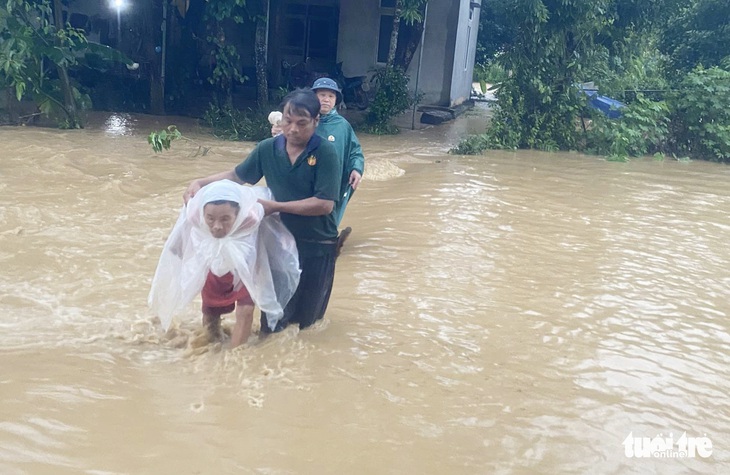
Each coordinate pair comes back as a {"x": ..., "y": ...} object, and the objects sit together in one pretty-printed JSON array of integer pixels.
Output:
[
  {"x": 434, "y": 78},
  {"x": 101, "y": 18},
  {"x": 449, "y": 51},
  {"x": 358, "y": 36},
  {"x": 464, "y": 53},
  {"x": 445, "y": 74}
]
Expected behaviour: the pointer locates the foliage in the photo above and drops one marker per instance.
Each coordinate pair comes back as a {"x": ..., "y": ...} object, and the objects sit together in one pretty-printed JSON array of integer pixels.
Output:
[
  {"x": 494, "y": 34},
  {"x": 391, "y": 98},
  {"x": 491, "y": 73},
  {"x": 639, "y": 69},
  {"x": 698, "y": 34},
  {"x": 701, "y": 116},
  {"x": 548, "y": 47},
  {"x": 30, "y": 43},
  {"x": 538, "y": 102},
  {"x": 229, "y": 123},
  {"x": 33, "y": 51},
  {"x": 472, "y": 145},
  {"x": 642, "y": 129},
  {"x": 228, "y": 64},
  {"x": 412, "y": 11},
  {"x": 162, "y": 140}
]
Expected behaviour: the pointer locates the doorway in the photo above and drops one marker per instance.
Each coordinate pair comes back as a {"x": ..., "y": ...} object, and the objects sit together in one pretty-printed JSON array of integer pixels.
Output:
[{"x": 304, "y": 39}]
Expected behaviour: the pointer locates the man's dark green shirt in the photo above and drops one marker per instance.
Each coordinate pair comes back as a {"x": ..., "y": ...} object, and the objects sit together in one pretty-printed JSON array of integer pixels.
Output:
[{"x": 315, "y": 173}]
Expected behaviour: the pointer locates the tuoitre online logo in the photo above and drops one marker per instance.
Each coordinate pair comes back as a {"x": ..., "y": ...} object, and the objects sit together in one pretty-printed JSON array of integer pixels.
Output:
[{"x": 667, "y": 447}]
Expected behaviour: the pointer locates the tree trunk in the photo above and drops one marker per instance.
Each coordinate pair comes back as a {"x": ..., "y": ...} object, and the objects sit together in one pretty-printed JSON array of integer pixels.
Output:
[
  {"x": 11, "y": 101},
  {"x": 409, "y": 38},
  {"x": 394, "y": 34},
  {"x": 152, "y": 38},
  {"x": 262, "y": 85},
  {"x": 69, "y": 103}
]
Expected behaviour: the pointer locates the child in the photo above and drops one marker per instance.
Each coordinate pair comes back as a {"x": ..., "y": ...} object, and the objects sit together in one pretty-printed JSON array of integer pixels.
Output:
[
  {"x": 219, "y": 294},
  {"x": 223, "y": 248}
]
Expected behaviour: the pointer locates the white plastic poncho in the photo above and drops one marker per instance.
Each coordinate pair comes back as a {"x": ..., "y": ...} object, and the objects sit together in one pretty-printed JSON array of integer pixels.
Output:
[{"x": 259, "y": 251}]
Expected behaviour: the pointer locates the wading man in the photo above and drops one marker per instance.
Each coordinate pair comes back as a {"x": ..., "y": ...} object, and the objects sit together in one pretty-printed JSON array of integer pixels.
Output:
[{"x": 303, "y": 172}]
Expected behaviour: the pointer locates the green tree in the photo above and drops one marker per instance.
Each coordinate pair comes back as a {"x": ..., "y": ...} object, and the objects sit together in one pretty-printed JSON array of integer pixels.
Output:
[
  {"x": 701, "y": 117},
  {"x": 262, "y": 84},
  {"x": 493, "y": 36},
  {"x": 221, "y": 15},
  {"x": 228, "y": 69},
  {"x": 549, "y": 47},
  {"x": 36, "y": 53},
  {"x": 408, "y": 24},
  {"x": 31, "y": 42},
  {"x": 697, "y": 34}
]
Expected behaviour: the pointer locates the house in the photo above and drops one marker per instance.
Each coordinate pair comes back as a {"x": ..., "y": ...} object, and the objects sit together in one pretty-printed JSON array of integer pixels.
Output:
[
  {"x": 309, "y": 36},
  {"x": 321, "y": 33}
]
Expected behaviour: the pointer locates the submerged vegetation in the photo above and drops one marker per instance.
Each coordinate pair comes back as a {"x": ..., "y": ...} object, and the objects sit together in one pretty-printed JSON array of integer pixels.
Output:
[
  {"x": 667, "y": 60},
  {"x": 162, "y": 140}
]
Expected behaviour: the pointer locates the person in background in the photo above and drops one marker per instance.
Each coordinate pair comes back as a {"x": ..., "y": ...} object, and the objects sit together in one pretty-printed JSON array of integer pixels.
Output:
[
  {"x": 303, "y": 172},
  {"x": 337, "y": 130}
]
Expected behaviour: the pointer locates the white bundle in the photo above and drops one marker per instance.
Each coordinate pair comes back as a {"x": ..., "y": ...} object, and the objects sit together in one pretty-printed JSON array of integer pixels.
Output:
[{"x": 275, "y": 118}]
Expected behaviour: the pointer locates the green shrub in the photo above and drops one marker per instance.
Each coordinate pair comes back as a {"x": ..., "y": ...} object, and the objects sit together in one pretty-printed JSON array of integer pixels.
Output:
[
  {"x": 391, "y": 98},
  {"x": 491, "y": 73},
  {"x": 472, "y": 145},
  {"x": 701, "y": 115},
  {"x": 642, "y": 129},
  {"x": 228, "y": 123}
]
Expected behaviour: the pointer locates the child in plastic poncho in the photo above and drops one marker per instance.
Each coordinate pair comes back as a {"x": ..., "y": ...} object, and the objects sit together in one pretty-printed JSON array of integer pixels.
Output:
[{"x": 223, "y": 248}]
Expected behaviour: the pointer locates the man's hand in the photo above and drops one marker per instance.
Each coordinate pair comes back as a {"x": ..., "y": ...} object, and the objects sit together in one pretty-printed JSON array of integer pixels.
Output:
[
  {"x": 192, "y": 189},
  {"x": 355, "y": 179},
  {"x": 196, "y": 185},
  {"x": 270, "y": 207}
]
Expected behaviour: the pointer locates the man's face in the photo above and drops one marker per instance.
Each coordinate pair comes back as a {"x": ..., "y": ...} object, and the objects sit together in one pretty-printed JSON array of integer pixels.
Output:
[
  {"x": 220, "y": 218},
  {"x": 327, "y": 100},
  {"x": 298, "y": 127}
]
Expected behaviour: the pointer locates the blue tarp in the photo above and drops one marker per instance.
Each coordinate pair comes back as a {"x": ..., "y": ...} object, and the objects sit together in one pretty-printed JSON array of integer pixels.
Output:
[{"x": 610, "y": 107}]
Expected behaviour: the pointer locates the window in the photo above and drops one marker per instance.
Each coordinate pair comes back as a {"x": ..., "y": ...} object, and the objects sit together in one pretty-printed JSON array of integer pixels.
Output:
[{"x": 386, "y": 29}]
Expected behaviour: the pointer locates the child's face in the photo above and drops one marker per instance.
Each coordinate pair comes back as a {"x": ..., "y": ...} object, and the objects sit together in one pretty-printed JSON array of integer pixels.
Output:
[{"x": 220, "y": 218}]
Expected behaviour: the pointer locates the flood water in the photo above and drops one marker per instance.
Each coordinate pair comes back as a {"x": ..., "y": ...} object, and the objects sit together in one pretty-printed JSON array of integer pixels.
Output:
[{"x": 513, "y": 313}]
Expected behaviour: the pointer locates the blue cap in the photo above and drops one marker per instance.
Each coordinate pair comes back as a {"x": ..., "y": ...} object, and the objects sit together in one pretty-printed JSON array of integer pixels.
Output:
[{"x": 327, "y": 83}]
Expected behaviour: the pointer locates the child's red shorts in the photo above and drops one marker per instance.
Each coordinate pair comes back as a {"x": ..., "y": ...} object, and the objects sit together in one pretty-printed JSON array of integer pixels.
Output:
[{"x": 219, "y": 296}]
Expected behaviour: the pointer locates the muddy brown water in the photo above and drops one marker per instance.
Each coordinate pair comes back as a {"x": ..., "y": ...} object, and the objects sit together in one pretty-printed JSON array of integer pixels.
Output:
[{"x": 514, "y": 313}]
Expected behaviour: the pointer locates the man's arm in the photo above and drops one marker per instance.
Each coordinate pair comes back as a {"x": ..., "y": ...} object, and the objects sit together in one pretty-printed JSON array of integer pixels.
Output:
[
  {"x": 196, "y": 185},
  {"x": 306, "y": 207}
]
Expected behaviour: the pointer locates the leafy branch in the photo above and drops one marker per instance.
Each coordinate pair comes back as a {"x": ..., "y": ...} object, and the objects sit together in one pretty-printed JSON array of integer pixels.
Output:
[{"x": 162, "y": 140}]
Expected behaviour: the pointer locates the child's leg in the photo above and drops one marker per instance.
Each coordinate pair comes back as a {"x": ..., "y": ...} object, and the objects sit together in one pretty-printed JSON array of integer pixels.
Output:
[
  {"x": 212, "y": 324},
  {"x": 244, "y": 319}
]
